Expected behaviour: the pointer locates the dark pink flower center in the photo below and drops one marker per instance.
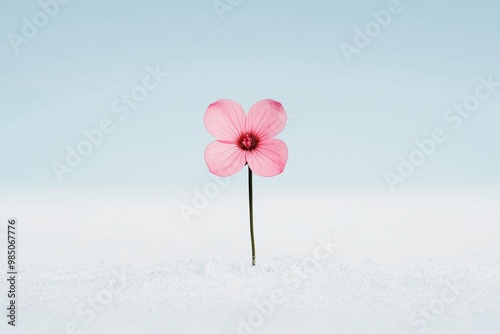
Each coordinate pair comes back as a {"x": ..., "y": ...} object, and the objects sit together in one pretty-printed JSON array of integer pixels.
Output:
[{"x": 248, "y": 141}]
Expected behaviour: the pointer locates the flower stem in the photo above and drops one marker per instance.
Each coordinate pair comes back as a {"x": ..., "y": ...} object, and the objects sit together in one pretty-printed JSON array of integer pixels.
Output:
[{"x": 250, "y": 202}]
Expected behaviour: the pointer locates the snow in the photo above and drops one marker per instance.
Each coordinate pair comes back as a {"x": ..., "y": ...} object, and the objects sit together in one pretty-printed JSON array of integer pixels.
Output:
[{"x": 418, "y": 264}]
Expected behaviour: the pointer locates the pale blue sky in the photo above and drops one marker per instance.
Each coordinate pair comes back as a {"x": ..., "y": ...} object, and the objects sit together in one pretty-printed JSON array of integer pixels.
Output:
[{"x": 350, "y": 121}]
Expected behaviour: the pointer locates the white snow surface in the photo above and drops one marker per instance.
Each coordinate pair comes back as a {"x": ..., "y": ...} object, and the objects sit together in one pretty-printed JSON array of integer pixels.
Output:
[{"x": 408, "y": 264}]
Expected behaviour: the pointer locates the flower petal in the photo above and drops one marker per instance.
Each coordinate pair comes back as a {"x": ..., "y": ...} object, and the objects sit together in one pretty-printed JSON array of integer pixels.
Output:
[
  {"x": 269, "y": 158},
  {"x": 225, "y": 120},
  {"x": 266, "y": 119},
  {"x": 224, "y": 159}
]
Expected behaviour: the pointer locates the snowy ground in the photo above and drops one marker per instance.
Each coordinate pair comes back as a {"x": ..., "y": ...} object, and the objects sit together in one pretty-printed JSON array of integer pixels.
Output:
[{"x": 396, "y": 265}]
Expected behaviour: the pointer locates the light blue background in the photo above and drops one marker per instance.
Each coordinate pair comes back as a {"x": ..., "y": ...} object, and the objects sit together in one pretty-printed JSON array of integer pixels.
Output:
[{"x": 349, "y": 121}]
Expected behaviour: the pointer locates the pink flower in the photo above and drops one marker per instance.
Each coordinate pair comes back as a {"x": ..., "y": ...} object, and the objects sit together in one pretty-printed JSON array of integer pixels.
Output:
[{"x": 246, "y": 139}]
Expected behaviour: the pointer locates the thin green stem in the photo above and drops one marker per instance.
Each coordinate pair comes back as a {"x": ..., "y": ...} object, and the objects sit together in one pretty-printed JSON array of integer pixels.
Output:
[{"x": 250, "y": 202}]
